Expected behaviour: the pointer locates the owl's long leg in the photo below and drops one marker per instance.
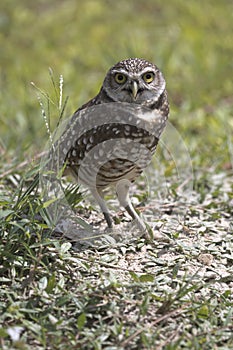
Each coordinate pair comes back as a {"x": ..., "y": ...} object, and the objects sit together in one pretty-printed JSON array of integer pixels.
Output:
[
  {"x": 97, "y": 194},
  {"x": 122, "y": 190}
]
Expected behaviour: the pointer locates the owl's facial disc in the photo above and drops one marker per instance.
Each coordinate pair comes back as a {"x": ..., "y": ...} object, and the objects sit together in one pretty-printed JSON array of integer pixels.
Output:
[{"x": 134, "y": 86}]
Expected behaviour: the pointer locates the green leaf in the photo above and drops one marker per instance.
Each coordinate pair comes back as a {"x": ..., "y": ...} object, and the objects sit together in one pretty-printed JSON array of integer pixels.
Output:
[
  {"x": 134, "y": 276},
  {"x": 65, "y": 247},
  {"x": 51, "y": 284},
  {"x": 142, "y": 278},
  {"x": 146, "y": 278},
  {"x": 203, "y": 312},
  {"x": 3, "y": 333},
  {"x": 81, "y": 321},
  {"x": 5, "y": 213},
  {"x": 49, "y": 202}
]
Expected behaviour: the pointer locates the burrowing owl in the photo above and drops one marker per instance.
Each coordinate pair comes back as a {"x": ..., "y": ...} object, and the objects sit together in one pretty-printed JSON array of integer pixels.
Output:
[{"x": 119, "y": 127}]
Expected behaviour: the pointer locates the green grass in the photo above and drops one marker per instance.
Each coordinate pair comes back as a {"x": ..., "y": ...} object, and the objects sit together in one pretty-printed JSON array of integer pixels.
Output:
[{"x": 174, "y": 292}]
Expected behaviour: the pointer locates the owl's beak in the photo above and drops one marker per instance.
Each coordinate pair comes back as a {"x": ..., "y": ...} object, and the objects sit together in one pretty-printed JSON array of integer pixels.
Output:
[{"x": 134, "y": 89}]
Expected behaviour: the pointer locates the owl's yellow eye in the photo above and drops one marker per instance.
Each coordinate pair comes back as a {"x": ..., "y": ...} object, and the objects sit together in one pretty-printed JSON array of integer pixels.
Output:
[
  {"x": 148, "y": 77},
  {"x": 120, "y": 78}
]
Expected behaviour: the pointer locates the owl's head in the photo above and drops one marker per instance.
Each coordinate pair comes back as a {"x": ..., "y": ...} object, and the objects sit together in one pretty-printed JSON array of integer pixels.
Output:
[{"x": 134, "y": 81}]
